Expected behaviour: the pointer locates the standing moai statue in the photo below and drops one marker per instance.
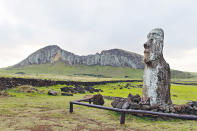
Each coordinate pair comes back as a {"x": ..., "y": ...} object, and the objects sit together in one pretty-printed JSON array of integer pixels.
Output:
[{"x": 156, "y": 79}]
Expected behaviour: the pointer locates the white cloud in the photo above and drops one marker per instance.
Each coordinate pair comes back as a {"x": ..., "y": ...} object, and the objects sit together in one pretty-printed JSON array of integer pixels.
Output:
[{"x": 90, "y": 26}]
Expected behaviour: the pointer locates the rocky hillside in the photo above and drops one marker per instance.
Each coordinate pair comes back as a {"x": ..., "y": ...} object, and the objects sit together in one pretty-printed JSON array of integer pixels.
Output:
[{"x": 113, "y": 57}]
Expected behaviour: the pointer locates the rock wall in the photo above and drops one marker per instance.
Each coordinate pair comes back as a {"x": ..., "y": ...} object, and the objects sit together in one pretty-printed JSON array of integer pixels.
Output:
[
  {"x": 6, "y": 83},
  {"x": 134, "y": 102},
  {"x": 113, "y": 57}
]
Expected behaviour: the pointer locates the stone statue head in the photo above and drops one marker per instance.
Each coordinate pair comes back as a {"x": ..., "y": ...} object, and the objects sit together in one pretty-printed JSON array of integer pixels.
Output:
[{"x": 154, "y": 46}]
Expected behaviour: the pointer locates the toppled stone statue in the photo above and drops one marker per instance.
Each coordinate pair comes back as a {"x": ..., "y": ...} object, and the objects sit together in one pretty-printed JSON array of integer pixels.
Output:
[
  {"x": 134, "y": 102},
  {"x": 156, "y": 79}
]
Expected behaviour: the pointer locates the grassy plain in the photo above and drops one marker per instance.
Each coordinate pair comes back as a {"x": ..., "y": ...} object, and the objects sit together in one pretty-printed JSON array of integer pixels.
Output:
[
  {"x": 61, "y": 71},
  {"x": 35, "y": 110},
  {"x": 67, "y": 71},
  {"x": 30, "y": 108}
]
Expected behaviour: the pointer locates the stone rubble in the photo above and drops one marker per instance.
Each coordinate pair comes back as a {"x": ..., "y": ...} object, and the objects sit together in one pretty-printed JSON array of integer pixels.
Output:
[
  {"x": 135, "y": 102},
  {"x": 79, "y": 89}
]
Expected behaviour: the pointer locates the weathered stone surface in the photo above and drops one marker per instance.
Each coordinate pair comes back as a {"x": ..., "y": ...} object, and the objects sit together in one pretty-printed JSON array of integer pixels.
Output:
[
  {"x": 53, "y": 93},
  {"x": 126, "y": 105},
  {"x": 156, "y": 81},
  {"x": 6, "y": 83},
  {"x": 79, "y": 89},
  {"x": 113, "y": 57},
  {"x": 98, "y": 99},
  {"x": 66, "y": 94},
  {"x": 145, "y": 107},
  {"x": 134, "y": 106},
  {"x": 129, "y": 103}
]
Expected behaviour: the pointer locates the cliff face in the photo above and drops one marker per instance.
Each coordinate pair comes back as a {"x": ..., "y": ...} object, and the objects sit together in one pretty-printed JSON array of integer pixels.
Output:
[{"x": 113, "y": 57}]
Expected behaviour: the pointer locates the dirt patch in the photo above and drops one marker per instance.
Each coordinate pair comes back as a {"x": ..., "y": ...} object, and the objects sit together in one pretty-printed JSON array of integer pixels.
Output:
[
  {"x": 41, "y": 128},
  {"x": 106, "y": 129},
  {"x": 3, "y": 94},
  {"x": 79, "y": 128}
]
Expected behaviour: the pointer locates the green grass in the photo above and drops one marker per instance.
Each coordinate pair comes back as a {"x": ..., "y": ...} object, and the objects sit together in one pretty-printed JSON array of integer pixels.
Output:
[
  {"x": 114, "y": 89},
  {"x": 26, "y": 111},
  {"x": 180, "y": 94},
  {"x": 61, "y": 71},
  {"x": 77, "y": 70}
]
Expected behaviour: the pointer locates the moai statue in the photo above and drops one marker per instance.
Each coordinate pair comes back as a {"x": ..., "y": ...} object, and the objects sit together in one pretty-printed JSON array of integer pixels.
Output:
[{"x": 156, "y": 79}]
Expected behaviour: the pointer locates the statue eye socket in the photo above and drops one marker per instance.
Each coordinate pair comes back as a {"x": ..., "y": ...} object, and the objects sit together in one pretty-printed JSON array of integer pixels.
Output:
[{"x": 146, "y": 46}]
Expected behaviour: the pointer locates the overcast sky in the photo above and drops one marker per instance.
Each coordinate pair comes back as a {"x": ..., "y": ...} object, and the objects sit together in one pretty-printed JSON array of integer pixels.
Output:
[{"x": 89, "y": 26}]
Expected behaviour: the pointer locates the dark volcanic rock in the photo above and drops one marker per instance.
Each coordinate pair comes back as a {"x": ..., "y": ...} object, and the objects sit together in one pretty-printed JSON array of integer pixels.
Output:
[
  {"x": 98, "y": 99},
  {"x": 132, "y": 103},
  {"x": 126, "y": 105},
  {"x": 66, "y": 94},
  {"x": 146, "y": 107},
  {"x": 134, "y": 106},
  {"x": 6, "y": 83},
  {"x": 53, "y": 93},
  {"x": 79, "y": 89}
]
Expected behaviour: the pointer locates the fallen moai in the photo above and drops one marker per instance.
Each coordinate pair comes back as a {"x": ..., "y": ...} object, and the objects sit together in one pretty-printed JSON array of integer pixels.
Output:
[{"x": 134, "y": 102}]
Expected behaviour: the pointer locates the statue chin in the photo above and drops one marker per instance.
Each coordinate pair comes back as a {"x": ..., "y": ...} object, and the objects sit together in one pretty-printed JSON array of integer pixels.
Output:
[{"x": 147, "y": 61}]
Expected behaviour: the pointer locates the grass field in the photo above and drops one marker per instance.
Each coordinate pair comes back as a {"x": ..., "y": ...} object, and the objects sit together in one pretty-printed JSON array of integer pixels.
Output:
[
  {"x": 61, "y": 71},
  {"x": 78, "y": 70},
  {"x": 37, "y": 111}
]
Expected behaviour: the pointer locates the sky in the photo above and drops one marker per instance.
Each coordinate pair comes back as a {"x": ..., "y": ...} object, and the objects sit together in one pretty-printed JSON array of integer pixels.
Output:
[{"x": 90, "y": 26}]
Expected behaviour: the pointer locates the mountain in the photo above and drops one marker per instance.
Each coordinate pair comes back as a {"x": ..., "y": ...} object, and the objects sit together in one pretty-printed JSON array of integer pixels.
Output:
[{"x": 113, "y": 57}]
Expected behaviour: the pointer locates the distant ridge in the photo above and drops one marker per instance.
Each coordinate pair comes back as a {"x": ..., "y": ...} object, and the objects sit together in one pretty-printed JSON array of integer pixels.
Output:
[{"x": 112, "y": 57}]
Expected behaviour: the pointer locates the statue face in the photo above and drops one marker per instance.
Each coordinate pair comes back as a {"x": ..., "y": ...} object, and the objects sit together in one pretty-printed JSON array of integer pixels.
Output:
[{"x": 153, "y": 46}]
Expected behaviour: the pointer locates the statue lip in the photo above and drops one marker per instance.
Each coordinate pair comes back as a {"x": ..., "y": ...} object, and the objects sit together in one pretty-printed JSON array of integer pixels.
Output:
[{"x": 146, "y": 51}]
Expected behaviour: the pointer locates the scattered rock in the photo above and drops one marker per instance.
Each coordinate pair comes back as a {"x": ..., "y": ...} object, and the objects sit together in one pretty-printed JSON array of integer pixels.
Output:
[
  {"x": 53, "y": 93},
  {"x": 145, "y": 107},
  {"x": 98, "y": 99},
  {"x": 134, "y": 106},
  {"x": 135, "y": 102},
  {"x": 4, "y": 93},
  {"x": 66, "y": 94},
  {"x": 174, "y": 95},
  {"x": 81, "y": 90},
  {"x": 115, "y": 102},
  {"x": 126, "y": 105}
]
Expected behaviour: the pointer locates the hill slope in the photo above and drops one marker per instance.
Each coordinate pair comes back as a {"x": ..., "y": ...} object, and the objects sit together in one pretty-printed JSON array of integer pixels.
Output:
[
  {"x": 113, "y": 57},
  {"x": 62, "y": 69},
  {"x": 66, "y": 71}
]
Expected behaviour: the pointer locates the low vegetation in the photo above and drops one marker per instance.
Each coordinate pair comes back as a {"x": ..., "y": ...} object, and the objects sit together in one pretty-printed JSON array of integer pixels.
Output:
[
  {"x": 61, "y": 71},
  {"x": 30, "y": 108}
]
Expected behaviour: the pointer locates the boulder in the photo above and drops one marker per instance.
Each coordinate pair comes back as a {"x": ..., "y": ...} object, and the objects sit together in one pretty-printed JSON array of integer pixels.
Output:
[
  {"x": 115, "y": 102},
  {"x": 126, "y": 105},
  {"x": 146, "y": 107},
  {"x": 98, "y": 99},
  {"x": 53, "y": 93},
  {"x": 134, "y": 106},
  {"x": 66, "y": 94}
]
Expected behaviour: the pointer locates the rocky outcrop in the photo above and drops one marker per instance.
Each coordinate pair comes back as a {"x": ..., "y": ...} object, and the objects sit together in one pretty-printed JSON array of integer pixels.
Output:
[{"x": 113, "y": 57}]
